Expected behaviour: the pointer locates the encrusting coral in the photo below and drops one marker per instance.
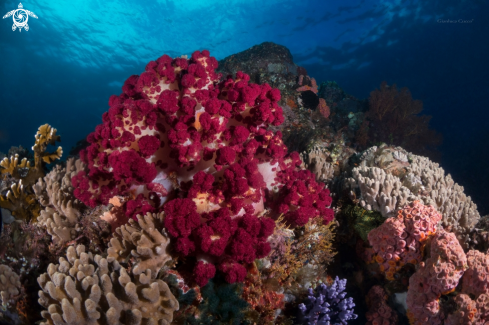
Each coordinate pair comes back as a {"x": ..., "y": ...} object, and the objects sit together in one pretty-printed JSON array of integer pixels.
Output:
[
  {"x": 141, "y": 240},
  {"x": 61, "y": 209},
  {"x": 86, "y": 289}
]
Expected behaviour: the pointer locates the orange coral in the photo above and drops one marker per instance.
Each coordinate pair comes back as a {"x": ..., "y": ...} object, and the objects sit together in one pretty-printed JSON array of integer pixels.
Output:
[
  {"x": 291, "y": 102},
  {"x": 260, "y": 298}
]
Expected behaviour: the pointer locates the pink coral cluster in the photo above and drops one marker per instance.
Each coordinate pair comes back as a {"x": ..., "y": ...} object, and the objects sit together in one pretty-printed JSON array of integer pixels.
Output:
[
  {"x": 476, "y": 278},
  {"x": 179, "y": 140},
  {"x": 379, "y": 312},
  {"x": 438, "y": 275},
  {"x": 312, "y": 87},
  {"x": 399, "y": 240}
]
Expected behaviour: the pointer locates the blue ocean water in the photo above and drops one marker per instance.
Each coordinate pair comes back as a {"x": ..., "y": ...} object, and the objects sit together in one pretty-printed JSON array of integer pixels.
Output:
[{"x": 78, "y": 53}]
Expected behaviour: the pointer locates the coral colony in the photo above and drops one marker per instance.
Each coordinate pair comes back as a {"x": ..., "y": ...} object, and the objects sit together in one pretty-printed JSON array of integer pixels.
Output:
[{"x": 185, "y": 207}]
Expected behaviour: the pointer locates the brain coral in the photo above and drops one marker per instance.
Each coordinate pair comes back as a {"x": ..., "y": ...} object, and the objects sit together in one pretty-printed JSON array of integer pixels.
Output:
[{"x": 180, "y": 141}]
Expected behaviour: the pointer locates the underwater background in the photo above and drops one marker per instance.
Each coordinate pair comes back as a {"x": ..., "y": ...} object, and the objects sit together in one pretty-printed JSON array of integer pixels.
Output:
[
  {"x": 175, "y": 197},
  {"x": 76, "y": 55}
]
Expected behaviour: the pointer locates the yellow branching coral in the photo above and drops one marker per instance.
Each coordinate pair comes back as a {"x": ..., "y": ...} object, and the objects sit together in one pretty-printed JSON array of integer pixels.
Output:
[
  {"x": 22, "y": 204},
  {"x": 46, "y": 135},
  {"x": 18, "y": 176}
]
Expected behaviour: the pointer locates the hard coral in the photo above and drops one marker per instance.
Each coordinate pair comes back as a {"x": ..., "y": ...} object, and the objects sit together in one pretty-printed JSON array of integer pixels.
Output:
[
  {"x": 176, "y": 139},
  {"x": 87, "y": 289},
  {"x": 61, "y": 209},
  {"x": 328, "y": 305},
  {"x": 388, "y": 178},
  {"x": 399, "y": 240},
  {"x": 21, "y": 175},
  {"x": 142, "y": 241},
  {"x": 9, "y": 285}
]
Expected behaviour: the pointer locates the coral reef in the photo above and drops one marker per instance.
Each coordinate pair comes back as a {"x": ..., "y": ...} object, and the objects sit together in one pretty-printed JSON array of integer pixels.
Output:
[
  {"x": 400, "y": 240},
  {"x": 9, "y": 285},
  {"x": 387, "y": 178},
  {"x": 177, "y": 139},
  {"x": 438, "y": 275},
  {"x": 395, "y": 120},
  {"x": 61, "y": 209},
  {"x": 185, "y": 207},
  {"x": 87, "y": 289},
  {"x": 328, "y": 305},
  {"x": 143, "y": 242},
  {"x": 18, "y": 176},
  {"x": 379, "y": 311}
]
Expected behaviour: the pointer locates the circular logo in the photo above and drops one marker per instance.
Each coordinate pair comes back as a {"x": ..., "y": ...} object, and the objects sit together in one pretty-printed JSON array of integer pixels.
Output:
[{"x": 20, "y": 18}]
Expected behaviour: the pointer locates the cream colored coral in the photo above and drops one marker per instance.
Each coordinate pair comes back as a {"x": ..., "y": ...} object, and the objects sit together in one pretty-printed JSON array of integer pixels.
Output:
[
  {"x": 61, "y": 209},
  {"x": 84, "y": 289},
  {"x": 143, "y": 241},
  {"x": 316, "y": 162},
  {"x": 9, "y": 284},
  {"x": 420, "y": 179}
]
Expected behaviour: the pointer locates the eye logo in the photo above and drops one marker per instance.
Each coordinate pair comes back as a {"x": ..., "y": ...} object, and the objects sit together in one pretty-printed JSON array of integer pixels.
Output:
[{"x": 20, "y": 17}]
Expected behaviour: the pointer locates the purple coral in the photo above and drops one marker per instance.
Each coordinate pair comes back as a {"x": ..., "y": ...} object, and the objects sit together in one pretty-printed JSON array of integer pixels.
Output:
[{"x": 328, "y": 306}]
